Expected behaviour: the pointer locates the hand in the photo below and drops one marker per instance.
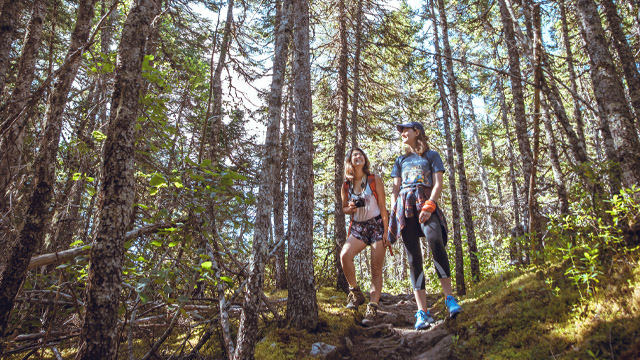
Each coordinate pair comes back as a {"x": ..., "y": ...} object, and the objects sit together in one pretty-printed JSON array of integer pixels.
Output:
[
  {"x": 352, "y": 207},
  {"x": 385, "y": 240},
  {"x": 424, "y": 216}
]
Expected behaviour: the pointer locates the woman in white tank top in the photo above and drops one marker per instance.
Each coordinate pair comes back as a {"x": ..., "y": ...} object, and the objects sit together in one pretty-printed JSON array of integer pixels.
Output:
[{"x": 363, "y": 198}]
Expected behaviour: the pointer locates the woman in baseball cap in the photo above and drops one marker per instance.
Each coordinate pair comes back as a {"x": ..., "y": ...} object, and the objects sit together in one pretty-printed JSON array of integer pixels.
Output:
[{"x": 417, "y": 185}]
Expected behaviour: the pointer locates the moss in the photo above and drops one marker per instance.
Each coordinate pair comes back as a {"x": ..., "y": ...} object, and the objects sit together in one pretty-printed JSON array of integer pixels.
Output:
[
  {"x": 517, "y": 315},
  {"x": 334, "y": 324}
]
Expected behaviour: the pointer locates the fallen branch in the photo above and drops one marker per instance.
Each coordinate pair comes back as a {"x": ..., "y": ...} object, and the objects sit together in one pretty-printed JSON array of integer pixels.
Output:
[{"x": 66, "y": 255}]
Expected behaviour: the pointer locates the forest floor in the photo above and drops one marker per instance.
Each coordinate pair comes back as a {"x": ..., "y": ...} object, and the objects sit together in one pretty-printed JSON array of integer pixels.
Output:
[
  {"x": 522, "y": 313},
  {"x": 525, "y": 313},
  {"x": 393, "y": 335}
]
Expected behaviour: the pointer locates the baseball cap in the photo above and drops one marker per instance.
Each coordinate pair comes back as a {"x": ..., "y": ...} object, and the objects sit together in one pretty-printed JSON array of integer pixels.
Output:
[{"x": 414, "y": 124}]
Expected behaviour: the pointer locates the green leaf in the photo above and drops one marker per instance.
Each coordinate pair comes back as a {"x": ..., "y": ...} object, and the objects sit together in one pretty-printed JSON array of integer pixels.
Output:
[
  {"x": 227, "y": 279},
  {"x": 206, "y": 265},
  {"x": 173, "y": 243},
  {"x": 76, "y": 243},
  {"x": 157, "y": 180},
  {"x": 196, "y": 177},
  {"x": 143, "y": 297},
  {"x": 98, "y": 136},
  {"x": 156, "y": 243},
  {"x": 142, "y": 206},
  {"x": 76, "y": 176},
  {"x": 178, "y": 184},
  {"x": 183, "y": 298}
]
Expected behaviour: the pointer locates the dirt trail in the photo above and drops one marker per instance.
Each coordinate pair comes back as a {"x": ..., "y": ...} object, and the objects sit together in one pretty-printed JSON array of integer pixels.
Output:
[{"x": 393, "y": 335}]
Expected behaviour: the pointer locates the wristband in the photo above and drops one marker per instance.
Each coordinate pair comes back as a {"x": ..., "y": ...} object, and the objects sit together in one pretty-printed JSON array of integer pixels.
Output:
[{"x": 429, "y": 206}]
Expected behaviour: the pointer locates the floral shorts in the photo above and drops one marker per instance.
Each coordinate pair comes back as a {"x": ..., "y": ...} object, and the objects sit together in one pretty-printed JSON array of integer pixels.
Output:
[{"x": 368, "y": 231}]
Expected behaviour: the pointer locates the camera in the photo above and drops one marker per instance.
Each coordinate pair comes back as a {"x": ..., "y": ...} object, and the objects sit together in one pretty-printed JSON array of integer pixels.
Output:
[{"x": 358, "y": 201}]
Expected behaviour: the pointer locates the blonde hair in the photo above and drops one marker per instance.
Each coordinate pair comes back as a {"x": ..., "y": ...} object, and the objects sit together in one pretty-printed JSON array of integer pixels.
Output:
[
  {"x": 422, "y": 146},
  {"x": 349, "y": 171}
]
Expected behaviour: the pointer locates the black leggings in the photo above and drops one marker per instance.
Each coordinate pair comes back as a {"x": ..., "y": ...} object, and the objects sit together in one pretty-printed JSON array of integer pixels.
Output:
[{"x": 411, "y": 234}]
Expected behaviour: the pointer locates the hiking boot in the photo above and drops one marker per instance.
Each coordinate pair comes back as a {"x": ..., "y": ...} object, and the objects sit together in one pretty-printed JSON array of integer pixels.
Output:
[
  {"x": 453, "y": 306},
  {"x": 370, "y": 314},
  {"x": 355, "y": 298},
  {"x": 423, "y": 320}
]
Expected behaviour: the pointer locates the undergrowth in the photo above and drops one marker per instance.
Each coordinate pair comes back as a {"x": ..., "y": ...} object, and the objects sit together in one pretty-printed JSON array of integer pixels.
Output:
[{"x": 581, "y": 302}]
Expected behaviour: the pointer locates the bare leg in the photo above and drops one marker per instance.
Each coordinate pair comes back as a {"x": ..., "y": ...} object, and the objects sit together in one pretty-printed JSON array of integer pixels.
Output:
[
  {"x": 421, "y": 299},
  {"x": 377, "y": 262},
  {"x": 350, "y": 249},
  {"x": 446, "y": 286}
]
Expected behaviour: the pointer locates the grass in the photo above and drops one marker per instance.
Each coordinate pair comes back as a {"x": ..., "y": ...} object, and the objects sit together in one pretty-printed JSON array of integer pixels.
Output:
[{"x": 537, "y": 313}]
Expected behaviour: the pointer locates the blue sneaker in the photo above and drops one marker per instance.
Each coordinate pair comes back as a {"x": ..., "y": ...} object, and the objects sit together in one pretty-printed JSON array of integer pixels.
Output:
[
  {"x": 423, "y": 320},
  {"x": 452, "y": 305}
]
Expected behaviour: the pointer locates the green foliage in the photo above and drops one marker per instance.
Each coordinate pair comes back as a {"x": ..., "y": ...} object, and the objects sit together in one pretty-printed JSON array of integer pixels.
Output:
[{"x": 587, "y": 240}]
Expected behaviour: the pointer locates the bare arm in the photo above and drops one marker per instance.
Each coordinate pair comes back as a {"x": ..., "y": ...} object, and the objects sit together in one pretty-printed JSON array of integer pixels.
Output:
[
  {"x": 435, "y": 195},
  {"x": 348, "y": 207},
  {"x": 437, "y": 187},
  {"x": 395, "y": 191}
]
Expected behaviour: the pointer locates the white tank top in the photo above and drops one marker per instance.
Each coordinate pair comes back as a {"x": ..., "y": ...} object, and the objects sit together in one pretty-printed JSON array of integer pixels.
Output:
[{"x": 370, "y": 208}]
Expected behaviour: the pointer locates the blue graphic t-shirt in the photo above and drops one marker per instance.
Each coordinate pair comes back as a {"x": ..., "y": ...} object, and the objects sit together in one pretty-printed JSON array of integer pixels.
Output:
[{"x": 415, "y": 169}]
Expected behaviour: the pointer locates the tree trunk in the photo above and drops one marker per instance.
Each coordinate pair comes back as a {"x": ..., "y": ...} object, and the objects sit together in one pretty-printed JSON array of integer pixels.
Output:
[
  {"x": 216, "y": 115},
  {"x": 455, "y": 210},
  {"x": 11, "y": 142},
  {"x": 8, "y": 17},
  {"x": 578, "y": 148},
  {"x": 563, "y": 202},
  {"x": 513, "y": 248},
  {"x": 99, "y": 328},
  {"x": 269, "y": 185},
  {"x": 610, "y": 93},
  {"x": 340, "y": 235},
  {"x": 625, "y": 54},
  {"x": 460, "y": 168},
  {"x": 494, "y": 155},
  {"x": 534, "y": 218},
  {"x": 526, "y": 157},
  {"x": 483, "y": 171},
  {"x": 577, "y": 112},
  {"x": 302, "y": 308},
  {"x": 278, "y": 212},
  {"x": 356, "y": 78}
]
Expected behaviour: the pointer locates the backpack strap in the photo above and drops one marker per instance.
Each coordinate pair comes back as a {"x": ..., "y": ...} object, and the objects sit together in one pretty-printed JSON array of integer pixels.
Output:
[{"x": 371, "y": 179}]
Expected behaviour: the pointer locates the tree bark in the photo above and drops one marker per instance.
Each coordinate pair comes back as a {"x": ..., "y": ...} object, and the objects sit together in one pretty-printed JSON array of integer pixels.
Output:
[
  {"x": 269, "y": 185},
  {"x": 99, "y": 328},
  {"x": 460, "y": 168},
  {"x": 216, "y": 114},
  {"x": 339, "y": 232},
  {"x": 534, "y": 218},
  {"x": 610, "y": 93},
  {"x": 20, "y": 251},
  {"x": 356, "y": 77},
  {"x": 483, "y": 171},
  {"x": 11, "y": 142},
  {"x": 577, "y": 112},
  {"x": 39, "y": 214},
  {"x": 526, "y": 157},
  {"x": 563, "y": 202},
  {"x": 8, "y": 17},
  {"x": 455, "y": 210},
  {"x": 302, "y": 308},
  {"x": 625, "y": 53},
  {"x": 513, "y": 248}
]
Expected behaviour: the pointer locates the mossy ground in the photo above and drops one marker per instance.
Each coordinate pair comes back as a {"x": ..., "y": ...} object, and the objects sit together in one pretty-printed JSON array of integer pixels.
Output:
[
  {"x": 335, "y": 323},
  {"x": 522, "y": 314}
]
